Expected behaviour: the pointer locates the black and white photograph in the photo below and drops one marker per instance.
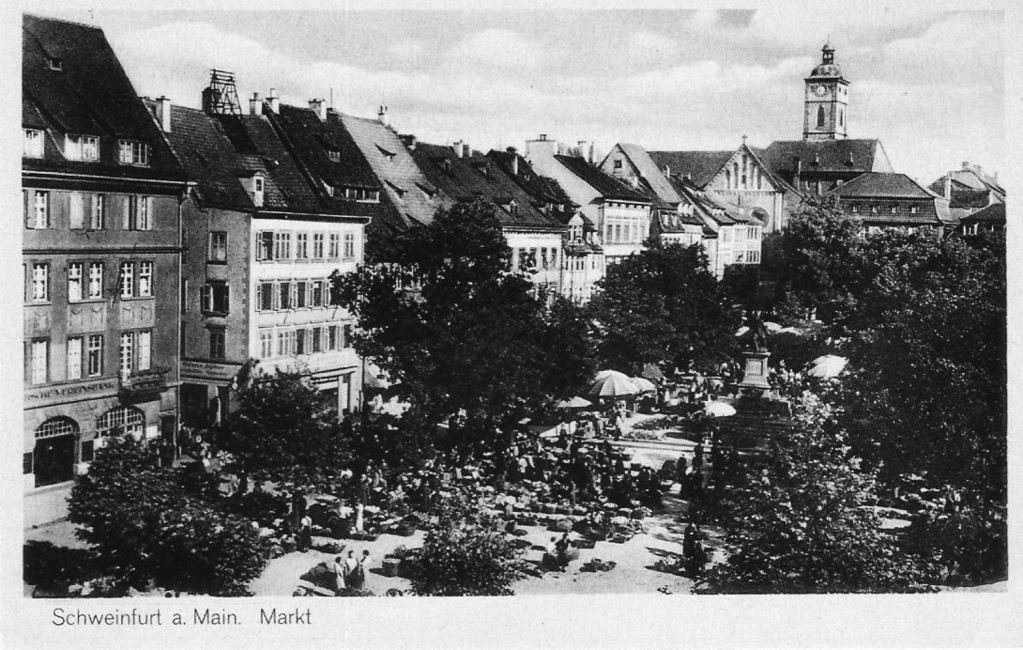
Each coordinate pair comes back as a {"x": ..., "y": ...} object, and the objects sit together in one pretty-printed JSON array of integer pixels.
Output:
[{"x": 589, "y": 314}]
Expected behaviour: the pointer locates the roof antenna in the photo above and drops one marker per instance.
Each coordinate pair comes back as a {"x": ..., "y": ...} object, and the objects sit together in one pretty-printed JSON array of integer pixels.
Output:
[{"x": 332, "y": 96}]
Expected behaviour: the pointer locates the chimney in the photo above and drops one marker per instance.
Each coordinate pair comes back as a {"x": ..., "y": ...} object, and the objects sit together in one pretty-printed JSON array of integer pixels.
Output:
[
  {"x": 948, "y": 186},
  {"x": 540, "y": 154},
  {"x": 409, "y": 140},
  {"x": 586, "y": 151},
  {"x": 796, "y": 176},
  {"x": 160, "y": 109},
  {"x": 966, "y": 165},
  {"x": 319, "y": 106},
  {"x": 275, "y": 101},
  {"x": 667, "y": 171},
  {"x": 382, "y": 116},
  {"x": 465, "y": 150},
  {"x": 457, "y": 148},
  {"x": 515, "y": 164},
  {"x": 255, "y": 105}
]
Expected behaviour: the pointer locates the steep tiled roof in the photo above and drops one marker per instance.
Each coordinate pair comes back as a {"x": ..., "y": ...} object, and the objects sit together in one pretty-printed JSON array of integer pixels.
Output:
[
  {"x": 397, "y": 172},
  {"x": 825, "y": 156},
  {"x": 877, "y": 184},
  {"x": 993, "y": 212},
  {"x": 542, "y": 188},
  {"x": 222, "y": 152},
  {"x": 609, "y": 188},
  {"x": 896, "y": 187},
  {"x": 700, "y": 166},
  {"x": 650, "y": 172},
  {"x": 72, "y": 83},
  {"x": 478, "y": 176}
]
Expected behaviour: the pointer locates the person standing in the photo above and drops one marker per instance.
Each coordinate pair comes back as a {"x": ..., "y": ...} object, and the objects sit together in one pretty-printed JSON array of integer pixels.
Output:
[
  {"x": 349, "y": 571},
  {"x": 305, "y": 534},
  {"x": 339, "y": 575},
  {"x": 361, "y": 499}
]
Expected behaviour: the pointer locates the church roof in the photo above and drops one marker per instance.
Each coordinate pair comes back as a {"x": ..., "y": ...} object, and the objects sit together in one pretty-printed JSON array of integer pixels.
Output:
[{"x": 825, "y": 156}]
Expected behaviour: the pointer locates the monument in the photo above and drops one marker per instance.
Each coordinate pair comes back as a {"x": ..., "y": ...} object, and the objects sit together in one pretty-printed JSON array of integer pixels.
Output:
[{"x": 754, "y": 379}]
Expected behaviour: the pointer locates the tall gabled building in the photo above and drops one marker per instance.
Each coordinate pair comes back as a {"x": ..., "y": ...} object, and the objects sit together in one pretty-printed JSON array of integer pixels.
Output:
[
  {"x": 583, "y": 257},
  {"x": 282, "y": 199},
  {"x": 968, "y": 190},
  {"x": 620, "y": 212},
  {"x": 408, "y": 196},
  {"x": 101, "y": 254}
]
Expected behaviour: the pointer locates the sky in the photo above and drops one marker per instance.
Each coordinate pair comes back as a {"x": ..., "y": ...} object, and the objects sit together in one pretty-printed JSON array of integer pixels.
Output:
[{"x": 929, "y": 85}]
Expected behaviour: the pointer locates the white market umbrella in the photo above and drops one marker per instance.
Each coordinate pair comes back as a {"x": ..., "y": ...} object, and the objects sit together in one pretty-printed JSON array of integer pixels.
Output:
[
  {"x": 644, "y": 385},
  {"x": 772, "y": 327},
  {"x": 718, "y": 409},
  {"x": 742, "y": 330},
  {"x": 574, "y": 403},
  {"x": 611, "y": 383},
  {"x": 791, "y": 330},
  {"x": 827, "y": 367}
]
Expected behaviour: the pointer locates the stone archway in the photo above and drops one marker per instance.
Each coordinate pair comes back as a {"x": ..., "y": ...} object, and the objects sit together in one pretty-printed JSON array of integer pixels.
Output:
[{"x": 53, "y": 458}]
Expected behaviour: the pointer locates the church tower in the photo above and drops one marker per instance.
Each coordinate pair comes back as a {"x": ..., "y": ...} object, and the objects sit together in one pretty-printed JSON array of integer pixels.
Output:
[{"x": 827, "y": 100}]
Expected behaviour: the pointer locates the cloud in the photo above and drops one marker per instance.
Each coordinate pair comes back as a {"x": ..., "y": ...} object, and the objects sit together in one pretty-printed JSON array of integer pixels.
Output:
[
  {"x": 644, "y": 45},
  {"x": 498, "y": 47},
  {"x": 709, "y": 75},
  {"x": 801, "y": 26},
  {"x": 411, "y": 51},
  {"x": 927, "y": 56}
]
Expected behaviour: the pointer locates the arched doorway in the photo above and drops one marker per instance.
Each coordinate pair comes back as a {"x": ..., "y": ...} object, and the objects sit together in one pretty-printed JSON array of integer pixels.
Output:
[
  {"x": 127, "y": 420},
  {"x": 53, "y": 459}
]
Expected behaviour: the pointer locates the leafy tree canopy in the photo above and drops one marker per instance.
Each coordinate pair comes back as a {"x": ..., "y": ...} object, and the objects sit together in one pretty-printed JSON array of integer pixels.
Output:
[
  {"x": 805, "y": 524},
  {"x": 662, "y": 304},
  {"x": 284, "y": 430},
  {"x": 459, "y": 332}
]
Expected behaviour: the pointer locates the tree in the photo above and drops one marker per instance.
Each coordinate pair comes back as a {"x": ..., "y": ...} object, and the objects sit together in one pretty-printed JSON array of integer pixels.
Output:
[
  {"x": 928, "y": 390},
  {"x": 662, "y": 304},
  {"x": 465, "y": 554},
  {"x": 285, "y": 430},
  {"x": 818, "y": 270},
  {"x": 145, "y": 526},
  {"x": 465, "y": 338},
  {"x": 805, "y": 525}
]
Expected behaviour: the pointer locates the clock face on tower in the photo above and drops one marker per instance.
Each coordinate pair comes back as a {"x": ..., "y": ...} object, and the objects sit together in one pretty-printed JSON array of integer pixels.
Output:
[{"x": 820, "y": 90}]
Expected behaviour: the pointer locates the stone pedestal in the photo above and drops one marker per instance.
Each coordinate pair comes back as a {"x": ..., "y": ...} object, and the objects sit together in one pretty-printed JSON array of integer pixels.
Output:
[{"x": 754, "y": 379}]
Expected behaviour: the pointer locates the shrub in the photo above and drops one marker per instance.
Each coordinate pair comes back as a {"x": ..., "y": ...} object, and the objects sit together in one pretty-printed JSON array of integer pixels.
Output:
[
  {"x": 53, "y": 568},
  {"x": 464, "y": 556}
]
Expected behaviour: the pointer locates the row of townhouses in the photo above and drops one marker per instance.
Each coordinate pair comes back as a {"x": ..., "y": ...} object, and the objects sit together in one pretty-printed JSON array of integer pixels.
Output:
[{"x": 165, "y": 247}]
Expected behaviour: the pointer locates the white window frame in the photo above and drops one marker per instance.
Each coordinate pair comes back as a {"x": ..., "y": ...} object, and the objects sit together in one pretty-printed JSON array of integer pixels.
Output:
[
  {"x": 40, "y": 210},
  {"x": 81, "y": 147},
  {"x": 145, "y": 279},
  {"x": 334, "y": 246},
  {"x": 39, "y": 361},
  {"x": 217, "y": 249},
  {"x": 94, "y": 351},
  {"x": 133, "y": 152},
  {"x": 75, "y": 273},
  {"x": 40, "y": 282},
  {"x": 98, "y": 216},
  {"x": 32, "y": 143},
  {"x": 302, "y": 246},
  {"x": 348, "y": 252},
  {"x": 126, "y": 277},
  {"x": 74, "y": 358},
  {"x": 95, "y": 286},
  {"x": 317, "y": 246},
  {"x": 144, "y": 350},
  {"x": 266, "y": 343},
  {"x": 126, "y": 353}
]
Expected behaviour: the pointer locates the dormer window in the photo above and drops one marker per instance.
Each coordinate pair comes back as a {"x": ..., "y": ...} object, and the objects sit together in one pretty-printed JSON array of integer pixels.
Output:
[
  {"x": 81, "y": 147},
  {"x": 54, "y": 63},
  {"x": 32, "y": 145},
  {"x": 257, "y": 191},
  {"x": 134, "y": 152},
  {"x": 334, "y": 155},
  {"x": 513, "y": 207}
]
